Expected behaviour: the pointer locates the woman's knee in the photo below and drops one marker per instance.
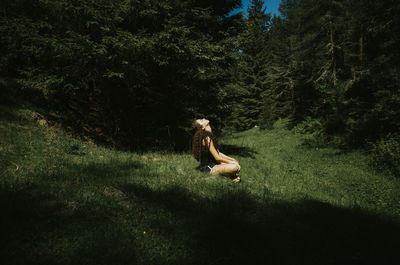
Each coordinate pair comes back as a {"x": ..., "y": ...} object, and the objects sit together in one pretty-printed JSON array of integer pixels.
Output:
[
  {"x": 235, "y": 168},
  {"x": 226, "y": 169}
]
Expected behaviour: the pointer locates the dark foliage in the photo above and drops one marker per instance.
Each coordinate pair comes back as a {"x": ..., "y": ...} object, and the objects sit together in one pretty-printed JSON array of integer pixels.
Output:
[
  {"x": 136, "y": 73},
  {"x": 342, "y": 64},
  {"x": 129, "y": 73}
]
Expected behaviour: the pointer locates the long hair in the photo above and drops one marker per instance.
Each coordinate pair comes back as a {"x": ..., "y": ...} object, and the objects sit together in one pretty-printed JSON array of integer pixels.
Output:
[{"x": 197, "y": 144}]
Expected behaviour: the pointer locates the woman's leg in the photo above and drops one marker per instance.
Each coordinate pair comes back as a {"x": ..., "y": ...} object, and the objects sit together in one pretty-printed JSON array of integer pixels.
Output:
[{"x": 226, "y": 169}]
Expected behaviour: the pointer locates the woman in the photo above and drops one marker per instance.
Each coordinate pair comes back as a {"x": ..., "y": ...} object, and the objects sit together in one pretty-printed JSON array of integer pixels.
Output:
[{"x": 205, "y": 150}]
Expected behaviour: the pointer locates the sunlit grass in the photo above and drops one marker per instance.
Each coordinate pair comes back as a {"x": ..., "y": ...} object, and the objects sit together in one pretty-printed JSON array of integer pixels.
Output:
[
  {"x": 295, "y": 172},
  {"x": 65, "y": 201}
]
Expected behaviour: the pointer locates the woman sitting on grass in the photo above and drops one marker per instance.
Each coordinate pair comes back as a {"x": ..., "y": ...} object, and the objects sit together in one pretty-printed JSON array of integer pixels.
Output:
[{"x": 205, "y": 150}]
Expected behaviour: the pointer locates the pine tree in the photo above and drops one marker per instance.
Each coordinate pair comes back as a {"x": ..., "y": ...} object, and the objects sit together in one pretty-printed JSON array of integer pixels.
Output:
[
  {"x": 252, "y": 67},
  {"x": 278, "y": 95},
  {"x": 341, "y": 60},
  {"x": 124, "y": 72}
]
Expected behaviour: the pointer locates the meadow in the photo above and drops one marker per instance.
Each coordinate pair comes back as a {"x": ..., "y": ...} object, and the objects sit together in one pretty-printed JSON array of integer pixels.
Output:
[{"x": 69, "y": 201}]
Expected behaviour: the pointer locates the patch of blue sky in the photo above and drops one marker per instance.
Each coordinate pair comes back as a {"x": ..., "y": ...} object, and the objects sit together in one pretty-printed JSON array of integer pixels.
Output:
[{"x": 270, "y": 5}]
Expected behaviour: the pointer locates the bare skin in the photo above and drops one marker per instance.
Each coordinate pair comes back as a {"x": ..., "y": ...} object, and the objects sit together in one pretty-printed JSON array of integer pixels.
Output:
[{"x": 227, "y": 165}]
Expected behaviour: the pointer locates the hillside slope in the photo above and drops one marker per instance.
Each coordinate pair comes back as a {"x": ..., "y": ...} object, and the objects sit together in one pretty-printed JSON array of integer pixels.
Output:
[{"x": 68, "y": 201}]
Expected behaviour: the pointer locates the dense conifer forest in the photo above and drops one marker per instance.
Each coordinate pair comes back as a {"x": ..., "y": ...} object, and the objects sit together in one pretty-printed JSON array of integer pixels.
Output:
[
  {"x": 134, "y": 74},
  {"x": 97, "y": 100}
]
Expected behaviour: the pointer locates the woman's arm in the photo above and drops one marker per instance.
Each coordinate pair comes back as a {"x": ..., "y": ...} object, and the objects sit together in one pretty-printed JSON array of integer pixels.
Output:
[
  {"x": 220, "y": 157},
  {"x": 228, "y": 157}
]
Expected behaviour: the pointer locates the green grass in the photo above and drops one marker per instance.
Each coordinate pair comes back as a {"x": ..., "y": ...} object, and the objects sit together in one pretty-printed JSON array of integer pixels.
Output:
[{"x": 68, "y": 201}]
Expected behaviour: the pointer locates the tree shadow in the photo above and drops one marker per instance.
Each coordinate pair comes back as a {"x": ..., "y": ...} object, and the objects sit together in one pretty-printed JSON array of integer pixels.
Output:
[
  {"x": 52, "y": 221},
  {"x": 238, "y": 229},
  {"x": 238, "y": 151},
  {"x": 231, "y": 226},
  {"x": 36, "y": 228},
  {"x": 95, "y": 172},
  {"x": 6, "y": 115}
]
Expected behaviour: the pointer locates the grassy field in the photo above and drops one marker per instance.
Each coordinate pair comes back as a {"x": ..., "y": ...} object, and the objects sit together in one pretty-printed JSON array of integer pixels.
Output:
[{"x": 67, "y": 201}]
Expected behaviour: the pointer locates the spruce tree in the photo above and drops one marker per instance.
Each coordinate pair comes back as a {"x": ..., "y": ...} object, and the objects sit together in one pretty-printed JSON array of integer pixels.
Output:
[
  {"x": 131, "y": 73},
  {"x": 252, "y": 66}
]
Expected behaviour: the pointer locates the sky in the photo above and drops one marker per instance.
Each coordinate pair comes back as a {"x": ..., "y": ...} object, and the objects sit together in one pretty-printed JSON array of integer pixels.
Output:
[{"x": 272, "y": 6}]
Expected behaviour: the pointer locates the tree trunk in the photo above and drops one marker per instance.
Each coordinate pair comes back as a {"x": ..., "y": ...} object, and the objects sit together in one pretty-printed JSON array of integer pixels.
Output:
[
  {"x": 361, "y": 48},
  {"x": 333, "y": 55},
  {"x": 353, "y": 73}
]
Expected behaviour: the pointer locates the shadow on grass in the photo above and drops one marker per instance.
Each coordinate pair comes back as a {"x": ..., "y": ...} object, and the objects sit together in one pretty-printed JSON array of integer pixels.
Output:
[
  {"x": 238, "y": 151},
  {"x": 237, "y": 229},
  {"x": 6, "y": 114},
  {"x": 35, "y": 228},
  {"x": 232, "y": 229},
  {"x": 66, "y": 216},
  {"x": 95, "y": 172}
]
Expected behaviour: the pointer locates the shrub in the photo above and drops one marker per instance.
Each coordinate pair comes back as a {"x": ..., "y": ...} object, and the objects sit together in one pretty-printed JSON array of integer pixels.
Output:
[
  {"x": 386, "y": 154},
  {"x": 313, "y": 131},
  {"x": 281, "y": 124}
]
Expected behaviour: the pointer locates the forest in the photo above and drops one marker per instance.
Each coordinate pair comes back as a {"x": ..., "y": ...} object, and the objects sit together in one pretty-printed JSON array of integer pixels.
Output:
[
  {"x": 135, "y": 74},
  {"x": 97, "y": 101}
]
